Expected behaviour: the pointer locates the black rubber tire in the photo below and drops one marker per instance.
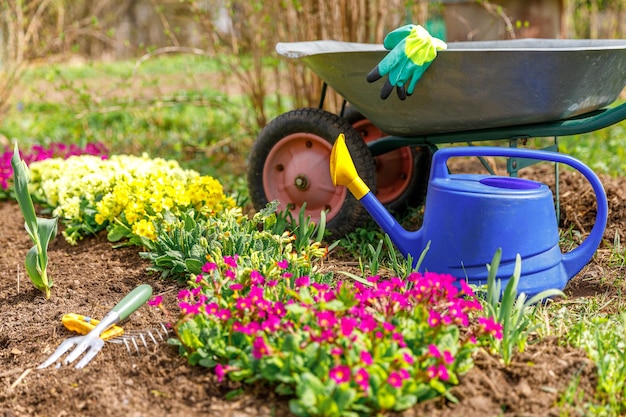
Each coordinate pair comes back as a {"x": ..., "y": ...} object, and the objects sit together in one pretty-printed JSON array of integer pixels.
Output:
[
  {"x": 325, "y": 125},
  {"x": 415, "y": 192}
]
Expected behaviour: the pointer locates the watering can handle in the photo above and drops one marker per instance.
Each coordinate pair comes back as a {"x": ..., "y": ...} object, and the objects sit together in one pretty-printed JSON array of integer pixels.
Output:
[{"x": 576, "y": 259}]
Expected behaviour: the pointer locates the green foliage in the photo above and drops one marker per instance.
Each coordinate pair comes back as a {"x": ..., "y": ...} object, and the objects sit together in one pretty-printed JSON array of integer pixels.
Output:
[
  {"x": 340, "y": 350},
  {"x": 184, "y": 243},
  {"x": 40, "y": 230},
  {"x": 604, "y": 339},
  {"x": 602, "y": 150},
  {"x": 511, "y": 310}
]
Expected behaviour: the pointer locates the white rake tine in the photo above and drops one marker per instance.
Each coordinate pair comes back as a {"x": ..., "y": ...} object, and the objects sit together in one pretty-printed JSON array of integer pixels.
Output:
[
  {"x": 165, "y": 331},
  {"x": 126, "y": 344},
  {"x": 74, "y": 354},
  {"x": 152, "y": 337},
  {"x": 63, "y": 347},
  {"x": 143, "y": 340},
  {"x": 91, "y": 353},
  {"x": 135, "y": 343}
]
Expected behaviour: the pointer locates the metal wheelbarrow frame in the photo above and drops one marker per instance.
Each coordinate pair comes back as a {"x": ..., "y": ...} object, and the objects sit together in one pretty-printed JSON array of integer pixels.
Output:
[{"x": 474, "y": 91}]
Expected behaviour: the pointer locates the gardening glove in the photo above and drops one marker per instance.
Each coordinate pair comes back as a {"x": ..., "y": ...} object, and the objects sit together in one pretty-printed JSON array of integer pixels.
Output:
[{"x": 412, "y": 50}]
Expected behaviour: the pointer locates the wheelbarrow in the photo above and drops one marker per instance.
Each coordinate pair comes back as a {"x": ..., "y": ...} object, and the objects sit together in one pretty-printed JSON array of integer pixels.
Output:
[{"x": 473, "y": 91}]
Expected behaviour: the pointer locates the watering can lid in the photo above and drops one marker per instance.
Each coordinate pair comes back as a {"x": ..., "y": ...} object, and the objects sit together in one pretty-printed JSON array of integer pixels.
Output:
[{"x": 490, "y": 184}]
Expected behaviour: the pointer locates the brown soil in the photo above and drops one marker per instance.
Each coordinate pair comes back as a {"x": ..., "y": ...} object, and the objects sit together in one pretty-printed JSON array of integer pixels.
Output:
[{"x": 91, "y": 277}]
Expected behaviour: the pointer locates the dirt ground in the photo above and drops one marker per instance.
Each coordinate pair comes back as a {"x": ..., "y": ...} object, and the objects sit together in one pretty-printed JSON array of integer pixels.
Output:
[{"x": 92, "y": 277}]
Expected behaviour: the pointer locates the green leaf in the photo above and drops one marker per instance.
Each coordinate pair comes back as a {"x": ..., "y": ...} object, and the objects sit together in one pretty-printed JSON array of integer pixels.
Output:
[
  {"x": 298, "y": 408},
  {"x": 386, "y": 400},
  {"x": 296, "y": 309},
  {"x": 344, "y": 396},
  {"x": 405, "y": 401},
  {"x": 234, "y": 394},
  {"x": 21, "y": 178},
  {"x": 194, "y": 266},
  {"x": 309, "y": 389},
  {"x": 271, "y": 368},
  {"x": 32, "y": 269},
  {"x": 116, "y": 233},
  {"x": 46, "y": 230}
]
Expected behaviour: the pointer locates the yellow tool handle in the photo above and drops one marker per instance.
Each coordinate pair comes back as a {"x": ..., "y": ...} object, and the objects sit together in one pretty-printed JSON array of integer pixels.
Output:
[{"x": 83, "y": 325}]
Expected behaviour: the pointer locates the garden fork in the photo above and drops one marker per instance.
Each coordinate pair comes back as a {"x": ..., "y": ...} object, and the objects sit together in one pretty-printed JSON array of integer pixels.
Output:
[{"x": 91, "y": 343}]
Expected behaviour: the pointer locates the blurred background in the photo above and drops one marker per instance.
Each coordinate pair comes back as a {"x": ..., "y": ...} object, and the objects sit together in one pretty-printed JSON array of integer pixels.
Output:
[{"x": 196, "y": 80}]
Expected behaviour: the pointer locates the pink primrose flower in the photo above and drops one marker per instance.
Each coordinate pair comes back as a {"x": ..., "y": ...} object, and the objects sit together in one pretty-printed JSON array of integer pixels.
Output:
[
  {"x": 230, "y": 274},
  {"x": 347, "y": 325},
  {"x": 260, "y": 348},
  {"x": 156, "y": 301},
  {"x": 396, "y": 283},
  {"x": 188, "y": 308},
  {"x": 340, "y": 374},
  {"x": 368, "y": 323},
  {"x": 401, "y": 300},
  {"x": 212, "y": 309},
  {"x": 434, "y": 318},
  {"x": 243, "y": 303},
  {"x": 326, "y": 319},
  {"x": 256, "y": 294},
  {"x": 327, "y": 335},
  {"x": 433, "y": 350},
  {"x": 272, "y": 283},
  {"x": 438, "y": 371},
  {"x": 287, "y": 275},
  {"x": 448, "y": 357},
  {"x": 199, "y": 278},
  {"x": 302, "y": 282},
  {"x": 388, "y": 327},
  {"x": 220, "y": 372},
  {"x": 283, "y": 264},
  {"x": 209, "y": 267},
  {"x": 224, "y": 314},
  {"x": 395, "y": 379},
  {"x": 490, "y": 326},
  {"x": 373, "y": 279},
  {"x": 414, "y": 277},
  {"x": 257, "y": 278},
  {"x": 404, "y": 374},
  {"x": 231, "y": 261},
  {"x": 236, "y": 287},
  {"x": 184, "y": 294},
  {"x": 320, "y": 287},
  {"x": 362, "y": 378},
  {"x": 384, "y": 288},
  {"x": 271, "y": 324},
  {"x": 279, "y": 309},
  {"x": 366, "y": 357},
  {"x": 336, "y": 351},
  {"x": 408, "y": 358},
  {"x": 465, "y": 288},
  {"x": 399, "y": 339}
]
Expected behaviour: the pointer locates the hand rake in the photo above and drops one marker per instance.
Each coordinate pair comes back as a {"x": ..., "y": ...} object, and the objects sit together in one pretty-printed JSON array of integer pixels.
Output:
[{"x": 91, "y": 343}]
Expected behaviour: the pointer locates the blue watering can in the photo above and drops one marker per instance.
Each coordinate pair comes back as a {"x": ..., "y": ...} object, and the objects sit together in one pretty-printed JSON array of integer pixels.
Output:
[{"x": 468, "y": 217}]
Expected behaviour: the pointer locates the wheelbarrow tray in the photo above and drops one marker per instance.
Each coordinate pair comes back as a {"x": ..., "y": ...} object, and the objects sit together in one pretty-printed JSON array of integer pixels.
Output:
[{"x": 475, "y": 85}]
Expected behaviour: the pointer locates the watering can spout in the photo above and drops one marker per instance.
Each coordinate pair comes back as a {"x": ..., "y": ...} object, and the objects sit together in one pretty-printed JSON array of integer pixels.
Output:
[{"x": 344, "y": 173}]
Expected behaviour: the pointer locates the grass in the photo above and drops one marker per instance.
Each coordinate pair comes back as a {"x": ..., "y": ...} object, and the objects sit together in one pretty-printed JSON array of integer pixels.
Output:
[{"x": 210, "y": 131}]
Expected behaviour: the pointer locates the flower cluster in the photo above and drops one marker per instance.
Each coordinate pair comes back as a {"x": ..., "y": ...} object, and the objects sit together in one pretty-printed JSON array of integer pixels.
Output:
[
  {"x": 389, "y": 344},
  {"x": 40, "y": 153},
  {"x": 124, "y": 192}
]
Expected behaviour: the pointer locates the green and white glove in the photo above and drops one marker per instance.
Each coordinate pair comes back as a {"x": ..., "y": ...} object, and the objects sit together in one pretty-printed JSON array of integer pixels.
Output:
[{"x": 412, "y": 49}]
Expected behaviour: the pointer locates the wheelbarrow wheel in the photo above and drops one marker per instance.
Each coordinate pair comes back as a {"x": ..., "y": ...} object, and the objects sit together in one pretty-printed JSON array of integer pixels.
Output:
[
  {"x": 290, "y": 162},
  {"x": 402, "y": 174}
]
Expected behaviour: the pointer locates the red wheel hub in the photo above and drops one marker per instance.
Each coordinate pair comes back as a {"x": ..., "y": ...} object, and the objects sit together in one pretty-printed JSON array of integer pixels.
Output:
[
  {"x": 297, "y": 171},
  {"x": 394, "y": 169}
]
